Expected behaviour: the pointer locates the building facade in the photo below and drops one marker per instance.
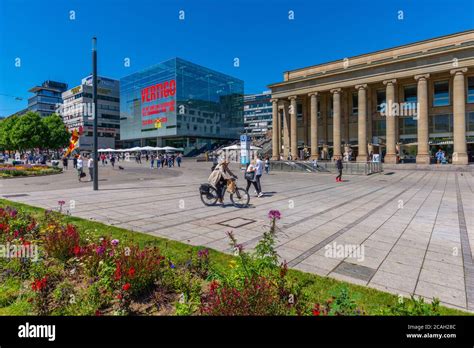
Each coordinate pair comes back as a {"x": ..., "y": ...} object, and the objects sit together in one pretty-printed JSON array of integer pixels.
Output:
[
  {"x": 46, "y": 97},
  {"x": 78, "y": 112},
  {"x": 181, "y": 104},
  {"x": 402, "y": 102},
  {"x": 258, "y": 114}
]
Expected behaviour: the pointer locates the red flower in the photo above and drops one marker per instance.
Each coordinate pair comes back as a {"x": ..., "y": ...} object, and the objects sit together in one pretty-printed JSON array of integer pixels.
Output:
[
  {"x": 126, "y": 286},
  {"x": 131, "y": 272},
  {"x": 119, "y": 296},
  {"x": 118, "y": 273},
  {"x": 76, "y": 250},
  {"x": 39, "y": 285},
  {"x": 316, "y": 312},
  {"x": 98, "y": 313}
]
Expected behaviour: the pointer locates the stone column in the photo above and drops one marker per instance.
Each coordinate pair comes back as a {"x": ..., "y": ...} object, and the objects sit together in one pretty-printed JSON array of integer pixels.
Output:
[
  {"x": 459, "y": 117},
  {"x": 279, "y": 130},
  {"x": 305, "y": 122},
  {"x": 275, "y": 149},
  {"x": 293, "y": 129},
  {"x": 362, "y": 123},
  {"x": 324, "y": 117},
  {"x": 370, "y": 111},
  {"x": 423, "y": 153},
  {"x": 336, "y": 137},
  {"x": 286, "y": 130},
  {"x": 390, "y": 119},
  {"x": 314, "y": 125},
  {"x": 347, "y": 116}
]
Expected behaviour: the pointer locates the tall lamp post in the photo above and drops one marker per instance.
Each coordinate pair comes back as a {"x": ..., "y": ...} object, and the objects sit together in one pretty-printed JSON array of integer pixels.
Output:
[{"x": 94, "y": 87}]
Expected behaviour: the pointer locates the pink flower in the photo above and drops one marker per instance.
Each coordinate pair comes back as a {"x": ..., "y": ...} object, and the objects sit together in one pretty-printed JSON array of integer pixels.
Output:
[{"x": 274, "y": 214}]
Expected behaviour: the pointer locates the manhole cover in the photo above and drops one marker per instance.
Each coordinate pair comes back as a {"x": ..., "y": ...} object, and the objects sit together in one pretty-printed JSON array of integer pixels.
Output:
[
  {"x": 17, "y": 195},
  {"x": 355, "y": 271},
  {"x": 236, "y": 222}
]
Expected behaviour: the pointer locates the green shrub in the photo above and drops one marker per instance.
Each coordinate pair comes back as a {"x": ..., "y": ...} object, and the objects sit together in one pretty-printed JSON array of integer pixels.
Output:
[{"x": 413, "y": 306}]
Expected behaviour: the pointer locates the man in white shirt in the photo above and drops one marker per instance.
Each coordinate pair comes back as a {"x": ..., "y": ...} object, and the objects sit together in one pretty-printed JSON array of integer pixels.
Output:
[
  {"x": 258, "y": 174},
  {"x": 79, "y": 166},
  {"x": 90, "y": 166}
]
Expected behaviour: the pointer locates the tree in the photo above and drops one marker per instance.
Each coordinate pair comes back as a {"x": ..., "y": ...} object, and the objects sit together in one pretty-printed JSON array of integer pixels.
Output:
[
  {"x": 29, "y": 132},
  {"x": 6, "y": 126},
  {"x": 57, "y": 134}
]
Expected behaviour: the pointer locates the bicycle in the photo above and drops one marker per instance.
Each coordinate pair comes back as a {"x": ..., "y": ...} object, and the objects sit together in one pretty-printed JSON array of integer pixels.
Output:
[{"x": 239, "y": 198}]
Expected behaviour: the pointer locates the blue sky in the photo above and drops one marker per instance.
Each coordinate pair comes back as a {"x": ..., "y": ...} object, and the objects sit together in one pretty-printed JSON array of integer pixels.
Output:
[{"x": 258, "y": 32}]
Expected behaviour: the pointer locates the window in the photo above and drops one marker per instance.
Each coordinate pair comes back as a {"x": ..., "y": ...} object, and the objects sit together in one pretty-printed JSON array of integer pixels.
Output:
[
  {"x": 470, "y": 122},
  {"x": 441, "y": 123},
  {"x": 408, "y": 125},
  {"x": 355, "y": 103},
  {"x": 409, "y": 93},
  {"x": 381, "y": 99},
  {"x": 379, "y": 128},
  {"x": 441, "y": 93},
  {"x": 470, "y": 89}
]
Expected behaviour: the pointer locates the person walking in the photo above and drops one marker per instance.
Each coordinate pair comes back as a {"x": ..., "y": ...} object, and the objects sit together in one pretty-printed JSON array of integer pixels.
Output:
[
  {"x": 152, "y": 161},
  {"x": 74, "y": 162},
  {"x": 251, "y": 177},
  {"x": 158, "y": 162},
  {"x": 178, "y": 160},
  {"x": 79, "y": 167},
  {"x": 339, "y": 167},
  {"x": 90, "y": 167},
  {"x": 258, "y": 174},
  {"x": 112, "y": 160},
  {"x": 65, "y": 163},
  {"x": 267, "y": 165}
]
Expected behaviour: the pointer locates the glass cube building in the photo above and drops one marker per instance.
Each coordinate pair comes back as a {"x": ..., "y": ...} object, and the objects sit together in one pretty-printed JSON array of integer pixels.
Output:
[{"x": 180, "y": 104}]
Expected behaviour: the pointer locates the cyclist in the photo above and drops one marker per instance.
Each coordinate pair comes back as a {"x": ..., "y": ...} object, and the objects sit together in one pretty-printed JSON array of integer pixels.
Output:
[{"x": 218, "y": 178}]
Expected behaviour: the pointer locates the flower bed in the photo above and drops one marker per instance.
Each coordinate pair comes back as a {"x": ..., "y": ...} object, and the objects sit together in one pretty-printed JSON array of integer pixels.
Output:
[
  {"x": 80, "y": 271},
  {"x": 9, "y": 170}
]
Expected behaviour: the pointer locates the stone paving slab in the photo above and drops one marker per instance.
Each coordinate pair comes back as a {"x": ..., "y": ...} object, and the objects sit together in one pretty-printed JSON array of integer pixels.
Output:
[{"x": 416, "y": 227}]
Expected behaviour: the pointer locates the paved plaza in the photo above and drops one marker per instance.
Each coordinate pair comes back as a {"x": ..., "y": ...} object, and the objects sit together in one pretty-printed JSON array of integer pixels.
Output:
[{"x": 411, "y": 232}]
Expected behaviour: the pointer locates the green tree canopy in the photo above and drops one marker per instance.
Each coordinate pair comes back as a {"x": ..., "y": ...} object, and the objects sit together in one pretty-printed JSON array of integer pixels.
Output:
[
  {"x": 57, "y": 133},
  {"x": 6, "y": 126},
  {"x": 29, "y": 132}
]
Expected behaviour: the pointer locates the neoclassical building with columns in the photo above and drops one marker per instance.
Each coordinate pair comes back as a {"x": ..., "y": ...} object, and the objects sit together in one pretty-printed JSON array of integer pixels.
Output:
[{"x": 403, "y": 102}]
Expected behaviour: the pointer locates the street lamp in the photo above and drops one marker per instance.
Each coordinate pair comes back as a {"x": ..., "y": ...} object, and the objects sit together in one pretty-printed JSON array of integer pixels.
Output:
[{"x": 94, "y": 98}]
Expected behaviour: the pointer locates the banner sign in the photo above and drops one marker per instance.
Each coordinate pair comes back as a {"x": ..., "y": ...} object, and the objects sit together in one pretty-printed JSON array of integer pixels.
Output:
[
  {"x": 244, "y": 149},
  {"x": 155, "y": 100}
]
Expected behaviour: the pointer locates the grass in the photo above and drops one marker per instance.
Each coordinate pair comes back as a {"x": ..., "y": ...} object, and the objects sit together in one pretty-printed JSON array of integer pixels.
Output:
[{"x": 318, "y": 288}]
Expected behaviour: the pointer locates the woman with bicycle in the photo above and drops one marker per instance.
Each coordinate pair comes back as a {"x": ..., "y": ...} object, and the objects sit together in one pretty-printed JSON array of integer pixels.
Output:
[{"x": 219, "y": 177}]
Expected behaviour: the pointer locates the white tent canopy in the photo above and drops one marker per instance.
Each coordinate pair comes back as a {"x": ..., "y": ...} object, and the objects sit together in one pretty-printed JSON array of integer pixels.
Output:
[
  {"x": 106, "y": 150},
  {"x": 144, "y": 148},
  {"x": 149, "y": 148},
  {"x": 237, "y": 147}
]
